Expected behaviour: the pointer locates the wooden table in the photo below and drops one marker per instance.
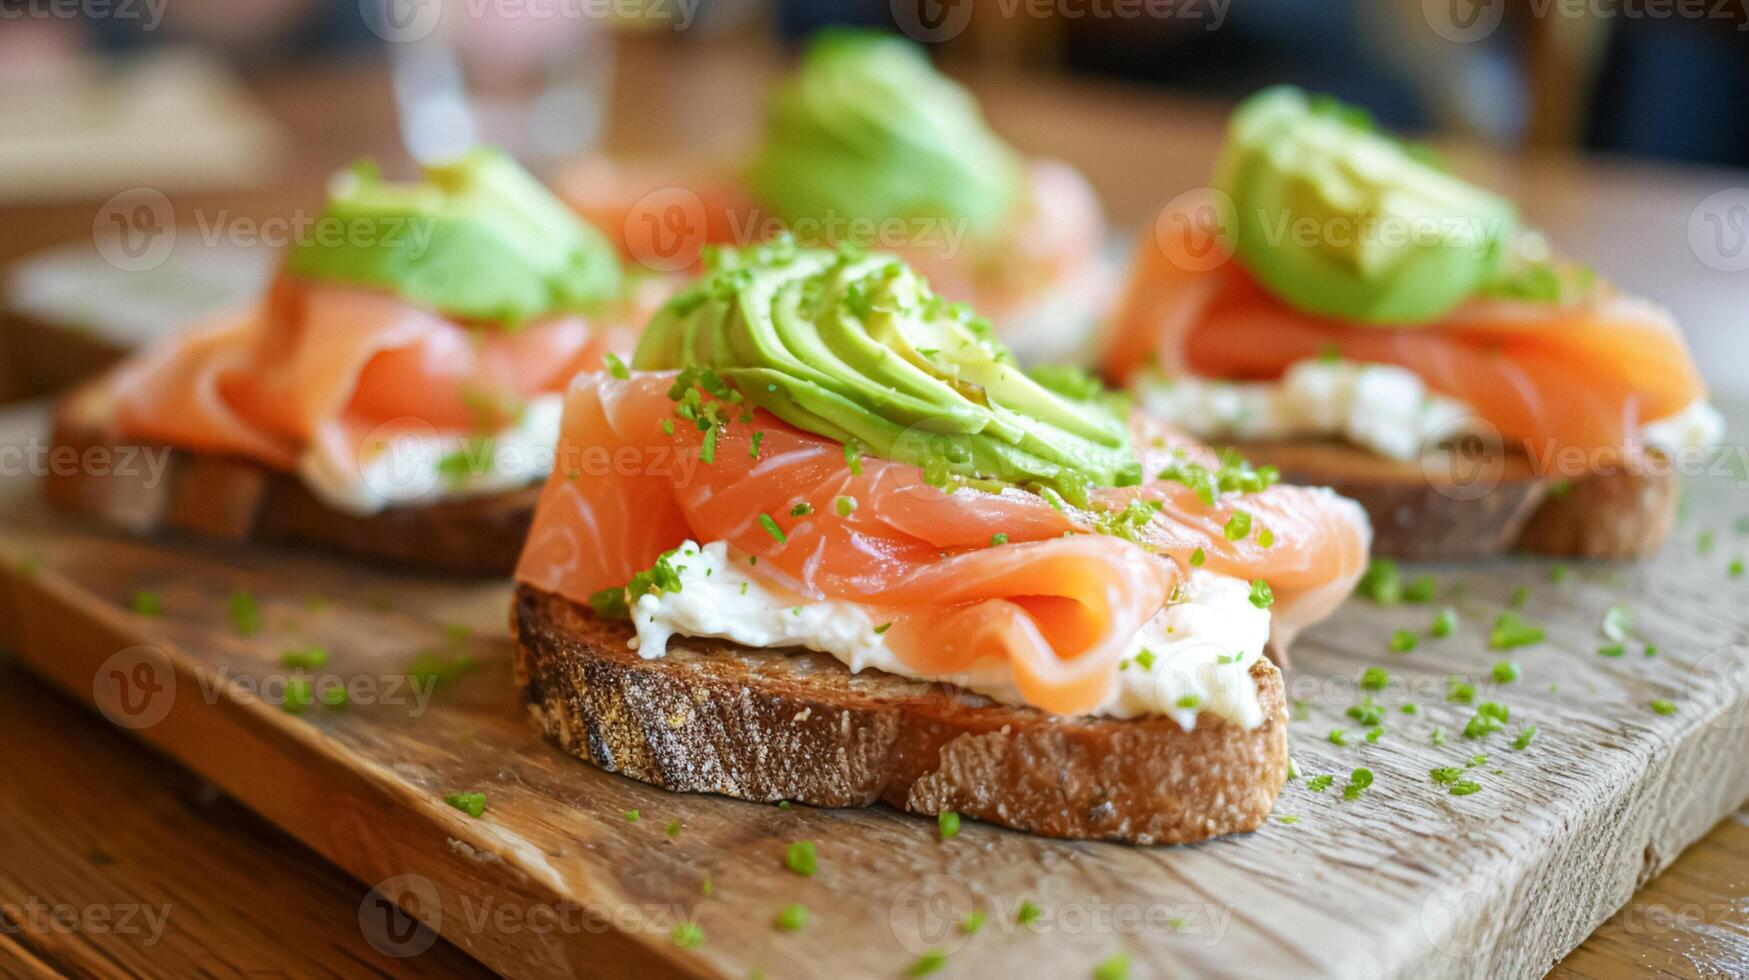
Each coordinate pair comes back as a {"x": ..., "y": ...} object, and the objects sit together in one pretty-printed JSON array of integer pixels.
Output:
[{"x": 110, "y": 830}]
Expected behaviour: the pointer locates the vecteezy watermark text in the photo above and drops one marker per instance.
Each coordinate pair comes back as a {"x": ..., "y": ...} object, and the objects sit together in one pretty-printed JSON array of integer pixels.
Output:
[
  {"x": 132, "y": 919},
  {"x": 149, "y": 13}
]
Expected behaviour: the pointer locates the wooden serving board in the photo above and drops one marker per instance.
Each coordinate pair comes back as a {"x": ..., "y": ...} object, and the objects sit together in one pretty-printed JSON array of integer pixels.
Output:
[{"x": 554, "y": 879}]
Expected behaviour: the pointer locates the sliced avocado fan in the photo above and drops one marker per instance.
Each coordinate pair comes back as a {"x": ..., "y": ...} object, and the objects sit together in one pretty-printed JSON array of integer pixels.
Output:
[
  {"x": 868, "y": 131},
  {"x": 477, "y": 238},
  {"x": 854, "y": 347},
  {"x": 1339, "y": 220}
]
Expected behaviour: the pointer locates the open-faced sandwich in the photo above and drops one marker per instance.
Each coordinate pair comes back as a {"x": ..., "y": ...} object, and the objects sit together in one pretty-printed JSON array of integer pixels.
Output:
[
  {"x": 397, "y": 392},
  {"x": 1340, "y": 306},
  {"x": 1022, "y": 604},
  {"x": 869, "y": 145}
]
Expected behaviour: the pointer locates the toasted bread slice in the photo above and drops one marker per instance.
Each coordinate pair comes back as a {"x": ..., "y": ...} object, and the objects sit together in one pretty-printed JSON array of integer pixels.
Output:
[
  {"x": 766, "y": 725},
  {"x": 1464, "y": 507},
  {"x": 152, "y": 489}
]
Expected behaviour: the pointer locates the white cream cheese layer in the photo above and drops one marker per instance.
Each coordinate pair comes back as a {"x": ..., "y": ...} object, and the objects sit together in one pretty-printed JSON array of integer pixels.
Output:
[
  {"x": 422, "y": 466},
  {"x": 1194, "y": 655},
  {"x": 1379, "y": 407}
]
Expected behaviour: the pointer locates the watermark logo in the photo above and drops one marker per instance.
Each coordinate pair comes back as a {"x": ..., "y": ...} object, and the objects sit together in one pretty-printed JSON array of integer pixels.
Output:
[
  {"x": 928, "y": 913},
  {"x": 1718, "y": 230},
  {"x": 135, "y": 688},
  {"x": 1463, "y": 458},
  {"x": 665, "y": 230},
  {"x": 932, "y": 21},
  {"x": 1464, "y": 21},
  {"x": 401, "y": 21},
  {"x": 1196, "y": 231},
  {"x": 1456, "y": 916},
  {"x": 149, "y": 13},
  {"x": 384, "y": 919},
  {"x": 135, "y": 230},
  {"x": 130, "y": 919}
]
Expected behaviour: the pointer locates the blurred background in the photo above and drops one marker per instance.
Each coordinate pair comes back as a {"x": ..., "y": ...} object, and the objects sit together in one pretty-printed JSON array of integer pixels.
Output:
[{"x": 149, "y": 146}]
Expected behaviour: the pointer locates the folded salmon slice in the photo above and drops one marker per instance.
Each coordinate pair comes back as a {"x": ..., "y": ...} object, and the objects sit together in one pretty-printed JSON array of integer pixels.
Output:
[
  {"x": 1551, "y": 377},
  {"x": 322, "y": 365},
  {"x": 1057, "y": 603}
]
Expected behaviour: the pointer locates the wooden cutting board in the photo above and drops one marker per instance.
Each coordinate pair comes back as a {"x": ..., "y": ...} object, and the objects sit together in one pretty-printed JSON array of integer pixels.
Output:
[{"x": 554, "y": 879}]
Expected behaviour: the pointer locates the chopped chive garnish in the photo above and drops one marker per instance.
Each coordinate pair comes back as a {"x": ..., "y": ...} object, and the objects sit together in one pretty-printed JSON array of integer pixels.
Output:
[
  {"x": 998, "y": 539},
  {"x": 973, "y": 921},
  {"x": 1238, "y": 526},
  {"x": 1358, "y": 781},
  {"x": 845, "y": 506},
  {"x": 1338, "y": 737},
  {"x": 771, "y": 528},
  {"x": 1459, "y": 691},
  {"x": 1704, "y": 543},
  {"x": 688, "y": 934},
  {"x": 1374, "y": 679},
  {"x": 1145, "y": 659},
  {"x": 1522, "y": 741},
  {"x": 1381, "y": 582},
  {"x": 801, "y": 510},
  {"x": 1287, "y": 818},
  {"x": 1115, "y": 967},
  {"x": 673, "y": 828},
  {"x": 616, "y": 367},
  {"x": 1444, "y": 624},
  {"x": 334, "y": 697},
  {"x": 298, "y": 696},
  {"x": 1368, "y": 712},
  {"x": 245, "y": 614},
  {"x": 1557, "y": 573},
  {"x": 882, "y": 628},
  {"x": 1403, "y": 641},
  {"x": 1510, "y": 631},
  {"x": 1261, "y": 595},
  {"x": 931, "y": 961},
  {"x": 1465, "y": 787},
  {"x": 1520, "y": 596},
  {"x": 853, "y": 457},
  {"x": 1436, "y": 737},
  {"x": 1410, "y": 708},
  {"x": 1421, "y": 589},
  {"x": 753, "y": 446},
  {"x": 801, "y": 859},
  {"x": 1664, "y": 707},
  {"x": 631, "y": 816},
  {"x": 1190, "y": 702},
  {"x": 1374, "y": 734},
  {"x": 705, "y": 887},
  {"x": 1027, "y": 914},
  {"x": 308, "y": 658},
  {"x": 472, "y": 804},
  {"x": 1506, "y": 672},
  {"x": 1735, "y": 569},
  {"x": 948, "y": 823},
  {"x": 667, "y": 427},
  {"x": 1612, "y": 650},
  {"x": 148, "y": 603},
  {"x": 1197, "y": 558},
  {"x": 1320, "y": 783},
  {"x": 1266, "y": 538},
  {"x": 791, "y": 918}
]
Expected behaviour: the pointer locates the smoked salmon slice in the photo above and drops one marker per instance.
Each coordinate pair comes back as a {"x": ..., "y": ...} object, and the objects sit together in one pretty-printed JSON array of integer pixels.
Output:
[
  {"x": 1582, "y": 375},
  {"x": 1057, "y": 601},
  {"x": 321, "y": 365}
]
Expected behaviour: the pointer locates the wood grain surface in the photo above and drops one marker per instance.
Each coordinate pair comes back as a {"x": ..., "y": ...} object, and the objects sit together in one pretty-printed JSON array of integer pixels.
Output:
[{"x": 554, "y": 878}]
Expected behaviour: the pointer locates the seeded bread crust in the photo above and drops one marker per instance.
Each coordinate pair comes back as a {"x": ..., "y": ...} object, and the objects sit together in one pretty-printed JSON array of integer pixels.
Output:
[
  {"x": 236, "y": 499},
  {"x": 1470, "y": 509},
  {"x": 766, "y": 725}
]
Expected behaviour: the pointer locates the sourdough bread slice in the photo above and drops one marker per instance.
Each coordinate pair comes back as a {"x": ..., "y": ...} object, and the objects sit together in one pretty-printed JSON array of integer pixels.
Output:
[
  {"x": 766, "y": 725},
  {"x": 1458, "y": 507},
  {"x": 150, "y": 489}
]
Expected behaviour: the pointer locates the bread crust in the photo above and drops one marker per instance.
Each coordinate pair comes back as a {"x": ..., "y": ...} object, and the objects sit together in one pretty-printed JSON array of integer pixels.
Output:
[
  {"x": 236, "y": 499},
  {"x": 766, "y": 725},
  {"x": 1468, "y": 508}
]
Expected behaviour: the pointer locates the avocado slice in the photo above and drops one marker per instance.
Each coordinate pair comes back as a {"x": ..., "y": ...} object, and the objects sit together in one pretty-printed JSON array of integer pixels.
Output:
[
  {"x": 850, "y": 345},
  {"x": 1339, "y": 220},
  {"x": 868, "y": 130},
  {"x": 477, "y": 238}
]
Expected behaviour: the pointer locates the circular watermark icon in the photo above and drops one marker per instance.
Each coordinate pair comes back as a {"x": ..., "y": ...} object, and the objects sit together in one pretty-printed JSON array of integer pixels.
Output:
[
  {"x": 1456, "y": 916},
  {"x": 401, "y": 915},
  {"x": 1464, "y": 458},
  {"x": 1726, "y": 669},
  {"x": 1718, "y": 230},
  {"x": 666, "y": 229},
  {"x": 135, "y": 688},
  {"x": 1464, "y": 21},
  {"x": 401, "y": 21},
  {"x": 928, "y": 914},
  {"x": 135, "y": 230},
  {"x": 399, "y": 460},
  {"x": 932, "y": 21},
  {"x": 1197, "y": 230}
]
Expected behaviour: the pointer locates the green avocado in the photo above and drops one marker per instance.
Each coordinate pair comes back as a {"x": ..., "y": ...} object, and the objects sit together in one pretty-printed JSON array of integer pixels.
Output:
[
  {"x": 854, "y": 347},
  {"x": 1339, "y": 220},
  {"x": 477, "y": 238},
  {"x": 868, "y": 130}
]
